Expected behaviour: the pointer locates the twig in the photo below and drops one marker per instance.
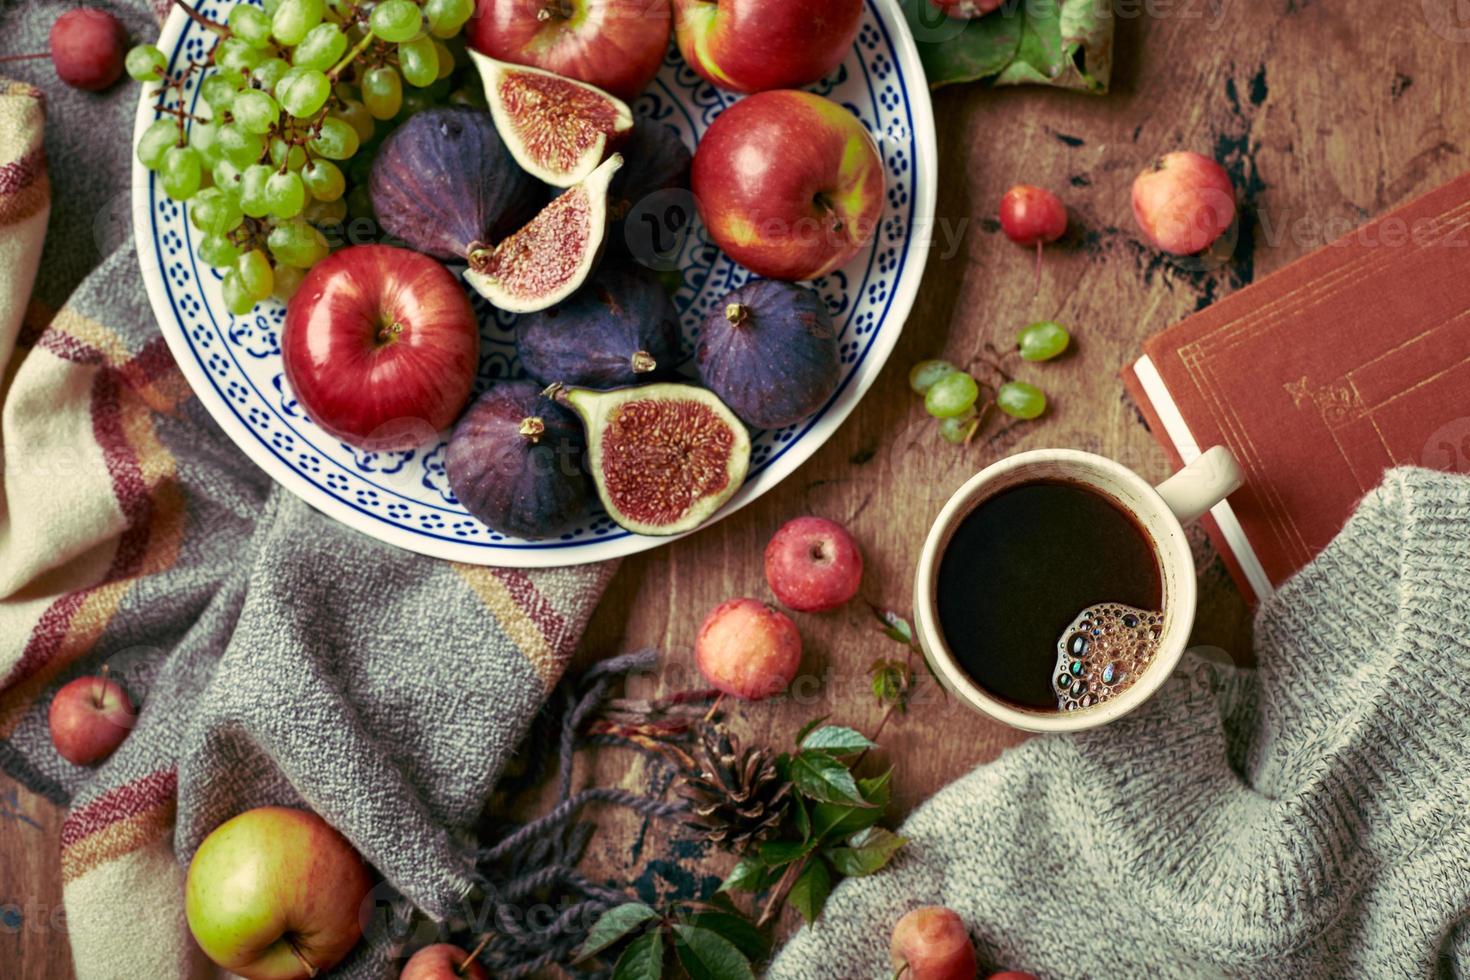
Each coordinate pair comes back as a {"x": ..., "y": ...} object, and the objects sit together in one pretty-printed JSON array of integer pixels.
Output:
[
  {"x": 793, "y": 871},
  {"x": 202, "y": 20}
]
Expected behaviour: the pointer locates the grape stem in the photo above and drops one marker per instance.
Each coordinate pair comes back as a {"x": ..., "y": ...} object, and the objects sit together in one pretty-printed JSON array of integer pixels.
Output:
[
  {"x": 26, "y": 57},
  {"x": 351, "y": 56},
  {"x": 202, "y": 20}
]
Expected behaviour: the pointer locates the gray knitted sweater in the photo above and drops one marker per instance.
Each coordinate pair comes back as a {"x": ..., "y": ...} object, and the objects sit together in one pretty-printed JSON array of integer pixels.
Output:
[{"x": 1310, "y": 818}]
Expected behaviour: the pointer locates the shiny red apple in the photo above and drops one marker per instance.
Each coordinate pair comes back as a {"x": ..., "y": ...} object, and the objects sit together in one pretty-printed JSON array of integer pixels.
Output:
[
  {"x": 789, "y": 184},
  {"x": 758, "y": 45},
  {"x": 616, "y": 45},
  {"x": 381, "y": 347},
  {"x": 89, "y": 718},
  {"x": 442, "y": 962},
  {"x": 1184, "y": 202}
]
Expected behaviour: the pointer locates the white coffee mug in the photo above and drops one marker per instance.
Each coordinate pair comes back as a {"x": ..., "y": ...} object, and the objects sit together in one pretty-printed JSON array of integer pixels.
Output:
[{"x": 1162, "y": 512}]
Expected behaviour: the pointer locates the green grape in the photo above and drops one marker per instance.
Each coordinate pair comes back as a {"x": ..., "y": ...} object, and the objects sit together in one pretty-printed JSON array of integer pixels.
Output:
[
  {"x": 227, "y": 177},
  {"x": 473, "y": 96},
  {"x": 182, "y": 172},
  {"x": 296, "y": 243},
  {"x": 336, "y": 141},
  {"x": 237, "y": 55},
  {"x": 925, "y": 373},
  {"x": 239, "y": 147},
  {"x": 323, "y": 46},
  {"x": 204, "y": 137},
  {"x": 960, "y": 429},
  {"x": 252, "y": 190},
  {"x": 439, "y": 91},
  {"x": 219, "y": 90},
  {"x": 324, "y": 179},
  {"x": 415, "y": 101},
  {"x": 160, "y": 136},
  {"x": 215, "y": 211},
  {"x": 356, "y": 115},
  {"x": 286, "y": 194},
  {"x": 294, "y": 18},
  {"x": 325, "y": 214},
  {"x": 952, "y": 395},
  {"x": 419, "y": 62},
  {"x": 288, "y": 280},
  {"x": 446, "y": 17},
  {"x": 250, "y": 24},
  {"x": 397, "y": 21},
  {"x": 255, "y": 112},
  {"x": 254, "y": 270},
  {"x": 1043, "y": 340},
  {"x": 1021, "y": 400},
  {"x": 270, "y": 7},
  {"x": 306, "y": 94},
  {"x": 293, "y": 156},
  {"x": 446, "y": 59},
  {"x": 269, "y": 72},
  {"x": 237, "y": 298},
  {"x": 218, "y": 251},
  {"x": 382, "y": 91},
  {"x": 360, "y": 202},
  {"x": 146, "y": 63}
]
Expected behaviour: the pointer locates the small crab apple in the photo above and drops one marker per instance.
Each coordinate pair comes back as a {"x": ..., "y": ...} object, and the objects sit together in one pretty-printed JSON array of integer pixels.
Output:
[
  {"x": 1033, "y": 217},
  {"x": 967, "y": 9},
  {"x": 1184, "y": 202},
  {"x": 748, "y": 650},
  {"x": 932, "y": 943},
  {"x": 89, "y": 718},
  {"x": 87, "y": 48},
  {"x": 813, "y": 564},
  {"x": 442, "y": 962}
]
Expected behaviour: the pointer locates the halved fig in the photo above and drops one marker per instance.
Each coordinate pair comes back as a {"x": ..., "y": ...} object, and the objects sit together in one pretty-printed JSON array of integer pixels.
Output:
[
  {"x": 550, "y": 258},
  {"x": 665, "y": 457},
  {"x": 558, "y": 129}
]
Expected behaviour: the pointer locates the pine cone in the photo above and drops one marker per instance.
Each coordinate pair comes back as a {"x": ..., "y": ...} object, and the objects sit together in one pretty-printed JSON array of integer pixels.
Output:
[{"x": 737, "y": 799}]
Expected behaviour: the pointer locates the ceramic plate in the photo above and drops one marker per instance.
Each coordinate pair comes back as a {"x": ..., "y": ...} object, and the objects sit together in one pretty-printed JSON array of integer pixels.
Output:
[{"x": 234, "y": 363}]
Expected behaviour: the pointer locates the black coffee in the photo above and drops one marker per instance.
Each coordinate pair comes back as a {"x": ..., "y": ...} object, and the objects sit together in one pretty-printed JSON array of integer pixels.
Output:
[{"x": 1046, "y": 589}]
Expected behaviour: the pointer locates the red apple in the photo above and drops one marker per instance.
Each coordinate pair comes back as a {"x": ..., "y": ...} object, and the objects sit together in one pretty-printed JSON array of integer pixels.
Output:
[
  {"x": 789, "y": 184},
  {"x": 617, "y": 45},
  {"x": 933, "y": 944},
  {"x": 758, "y": 45},
  {"x": 748, "y": 650},
  {"x": 441, "y": 962},
  {"x": 276, "y": 894},
  {"x": 89, "y": 718},
  {"x": 967, "y": 9},
  {"x": 1184, "y": 202},
  {"x": 813, "y": 565},
  {"x": 381, "y": 347}
]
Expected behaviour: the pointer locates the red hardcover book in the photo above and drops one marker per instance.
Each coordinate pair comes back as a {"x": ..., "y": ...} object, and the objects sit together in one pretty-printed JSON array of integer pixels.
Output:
[{"x": 1320, "y": 377}]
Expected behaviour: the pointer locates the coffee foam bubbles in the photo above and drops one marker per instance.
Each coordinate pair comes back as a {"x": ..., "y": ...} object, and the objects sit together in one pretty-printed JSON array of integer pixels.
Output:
[{"x": 1105, "y": 649}]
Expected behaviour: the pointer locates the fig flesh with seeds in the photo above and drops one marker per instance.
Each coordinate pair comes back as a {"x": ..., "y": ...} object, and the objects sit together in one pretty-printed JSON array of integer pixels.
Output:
[
  {"x": 517, "y": 462},
  {"x": 551, "y": 257},
  {"x": 558, "y": 129},
  {"x": 664, "y": 457},
  {"x": 769, "y": 350},
  {"x": 620, "y": 329}
]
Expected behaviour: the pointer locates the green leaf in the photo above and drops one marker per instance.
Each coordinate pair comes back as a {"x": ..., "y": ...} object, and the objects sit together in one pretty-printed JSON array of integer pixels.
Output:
[
  {"x": 807, "y": 728},
  {"x": 836, "y": 740},
  {"x": 1065, "y": 43},
  {"x": 894, "y": 626},
  {"x": 836, "y": 821},
  {"x": 707, "y": 955},
  {"x": 777, "y": 853},
  {"x": 809, "y": 894},
  {"x": 643, "y": 959},
  {"x": 877, "y": 790},
  {"x": 747, "y": 876},
  {"x": 736, "y": 928},
  {"x": 824, "y": 779},
  {"x": 800, "y": 817},
  {"x": 867, "y": 851},
  {"x": 613, "y": 925}
]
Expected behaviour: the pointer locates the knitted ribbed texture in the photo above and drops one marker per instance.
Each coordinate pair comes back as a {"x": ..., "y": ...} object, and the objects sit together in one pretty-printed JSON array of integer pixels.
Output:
[{"x": 1307, "y": 819}]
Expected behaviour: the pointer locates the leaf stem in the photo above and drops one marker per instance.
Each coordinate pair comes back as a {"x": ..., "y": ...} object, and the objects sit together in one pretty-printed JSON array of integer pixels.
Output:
[
  {"x": 26, "y": 57},
  {"x": 783, "y": 887}
]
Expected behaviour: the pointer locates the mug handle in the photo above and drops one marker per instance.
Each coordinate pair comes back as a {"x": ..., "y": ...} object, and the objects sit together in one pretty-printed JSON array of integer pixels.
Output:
[{"x": 1202, "y": 484}]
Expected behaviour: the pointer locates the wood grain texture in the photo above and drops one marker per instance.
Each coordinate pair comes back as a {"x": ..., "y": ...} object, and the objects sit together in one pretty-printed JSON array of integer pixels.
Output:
[{"x": 1325, "y": 113}]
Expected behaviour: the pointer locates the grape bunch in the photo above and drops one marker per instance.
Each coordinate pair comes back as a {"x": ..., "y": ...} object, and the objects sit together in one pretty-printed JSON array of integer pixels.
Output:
[
  {"x": 953, "y": 396},
  {"x": 294, "y": 99}
]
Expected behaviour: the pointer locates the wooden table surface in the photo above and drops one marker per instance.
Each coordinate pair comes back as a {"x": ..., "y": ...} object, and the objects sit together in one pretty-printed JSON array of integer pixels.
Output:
[{"x": 1325, "y": 114}]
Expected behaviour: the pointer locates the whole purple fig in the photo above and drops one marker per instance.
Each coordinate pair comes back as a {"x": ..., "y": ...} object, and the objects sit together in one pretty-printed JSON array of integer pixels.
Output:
[
  {"x": 619, "y": 329},
  {"x": 517, "y": 462},
  {"x": 769, "y": 350},
  {"x": 444, "y": 181}
]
